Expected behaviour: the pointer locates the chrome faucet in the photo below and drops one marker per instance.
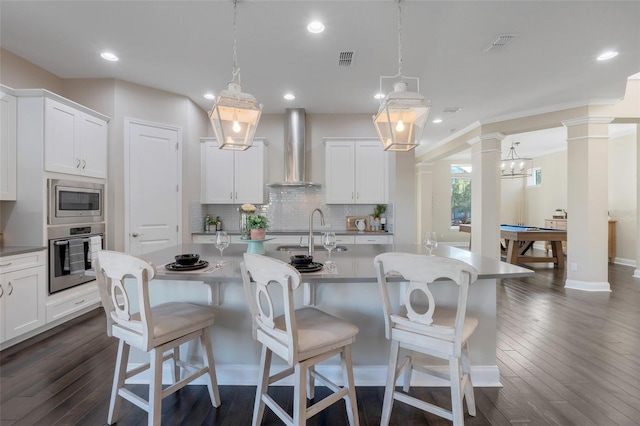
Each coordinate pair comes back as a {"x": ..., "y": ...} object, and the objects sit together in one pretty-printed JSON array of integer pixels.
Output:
[{"x": 311, "y": 229}]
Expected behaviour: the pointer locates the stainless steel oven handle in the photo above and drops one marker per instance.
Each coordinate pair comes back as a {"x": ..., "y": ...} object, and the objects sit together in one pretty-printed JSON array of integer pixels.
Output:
[{"x": 61, "y": 243}]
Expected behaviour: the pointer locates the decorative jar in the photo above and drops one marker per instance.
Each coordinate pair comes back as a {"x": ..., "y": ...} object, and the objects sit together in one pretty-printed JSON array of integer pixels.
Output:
[{"x": 244, "y": 229}]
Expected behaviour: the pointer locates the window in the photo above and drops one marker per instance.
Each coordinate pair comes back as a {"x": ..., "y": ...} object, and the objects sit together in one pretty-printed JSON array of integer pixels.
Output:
[
  {"x": 536, "y": 177},
  {"x": 460, "y": 194}
]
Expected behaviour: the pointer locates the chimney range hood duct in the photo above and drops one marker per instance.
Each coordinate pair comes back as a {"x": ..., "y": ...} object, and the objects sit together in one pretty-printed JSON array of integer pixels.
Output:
[{"x": 294, "y": 150}]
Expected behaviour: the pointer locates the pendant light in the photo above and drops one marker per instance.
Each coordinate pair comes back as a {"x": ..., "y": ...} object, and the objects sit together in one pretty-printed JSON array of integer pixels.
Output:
[
  {"x": 402, "y": 114},
  {"x": 235, "y": 115},
  {"x": 514, "y": 166}
]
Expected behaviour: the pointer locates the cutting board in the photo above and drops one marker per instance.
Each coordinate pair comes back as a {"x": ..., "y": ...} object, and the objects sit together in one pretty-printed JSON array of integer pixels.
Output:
[{"x": 351, "y": 222}]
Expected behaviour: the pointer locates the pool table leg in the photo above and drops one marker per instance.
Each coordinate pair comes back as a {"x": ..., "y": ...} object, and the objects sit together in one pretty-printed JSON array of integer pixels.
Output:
[
  {"x": 556, "y": 250},
  {"x": 512, "y": 251}
]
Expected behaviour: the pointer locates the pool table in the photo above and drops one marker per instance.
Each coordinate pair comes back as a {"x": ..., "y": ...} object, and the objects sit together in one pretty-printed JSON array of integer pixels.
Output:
[{"x": 519, "y": 239}]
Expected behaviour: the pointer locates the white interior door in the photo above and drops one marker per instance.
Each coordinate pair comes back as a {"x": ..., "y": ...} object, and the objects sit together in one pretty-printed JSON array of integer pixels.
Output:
[{"x": 152, "y": 176}]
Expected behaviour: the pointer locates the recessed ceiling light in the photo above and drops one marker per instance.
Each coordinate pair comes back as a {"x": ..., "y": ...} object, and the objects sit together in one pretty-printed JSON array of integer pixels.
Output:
[
  {"x": 437, "y": 121},
  {"x": 109, "y": 56},
  {"x": 209, "y": 96},
  {"x": 378, "y": 96},
  {"x": 315, "y": 27},
  {"x": 607, "y": 55},
  {"x": 289, "y": 96}
]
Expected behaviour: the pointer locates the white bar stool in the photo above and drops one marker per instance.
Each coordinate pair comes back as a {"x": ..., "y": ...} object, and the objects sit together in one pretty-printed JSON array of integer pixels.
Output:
[{"x": 156, "y": 330}]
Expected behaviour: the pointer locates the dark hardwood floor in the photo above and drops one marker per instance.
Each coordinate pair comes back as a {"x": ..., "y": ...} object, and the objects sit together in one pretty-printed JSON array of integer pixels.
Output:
[{"x": 566, "y": 358}]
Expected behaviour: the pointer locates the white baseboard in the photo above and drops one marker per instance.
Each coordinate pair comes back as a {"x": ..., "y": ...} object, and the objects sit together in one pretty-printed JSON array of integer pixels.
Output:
[
  {"x": 374, "y": 375},
  {"x": 623, "y": 261},
  {"x": 587, "y": 285}
]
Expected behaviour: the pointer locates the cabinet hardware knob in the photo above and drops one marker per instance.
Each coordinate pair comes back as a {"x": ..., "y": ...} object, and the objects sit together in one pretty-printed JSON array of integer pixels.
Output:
[
  {"x": 1, "y": 290},
  {"x": 80, "y": 302},
  {"x": 135, "y": 234},
  {"x": 77, "y": 163},
  {"x": 10, "y": 289},
  {"x": 6, "y": 264},
  {"x": 84, "y": 164}
]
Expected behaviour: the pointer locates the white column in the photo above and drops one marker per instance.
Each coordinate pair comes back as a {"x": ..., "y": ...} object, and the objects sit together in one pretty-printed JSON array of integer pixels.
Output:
[
  {"x": 424, "y": 177},
  {"x": 587, "y": 203},
  {"x": 636, "y": 273},
  {"x": 485, "y": 194}
]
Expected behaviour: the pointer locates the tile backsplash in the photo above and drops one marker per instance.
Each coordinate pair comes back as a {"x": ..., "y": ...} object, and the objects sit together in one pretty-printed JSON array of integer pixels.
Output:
[{"x": 288, "y": 210}]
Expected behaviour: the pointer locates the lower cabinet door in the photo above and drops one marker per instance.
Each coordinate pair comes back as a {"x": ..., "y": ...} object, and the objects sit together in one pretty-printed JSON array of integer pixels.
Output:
[{"x": 23, "y": 301}]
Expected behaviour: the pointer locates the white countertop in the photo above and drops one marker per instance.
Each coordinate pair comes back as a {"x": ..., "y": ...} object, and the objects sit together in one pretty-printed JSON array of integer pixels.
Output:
[{"x": 355, "y": 264}]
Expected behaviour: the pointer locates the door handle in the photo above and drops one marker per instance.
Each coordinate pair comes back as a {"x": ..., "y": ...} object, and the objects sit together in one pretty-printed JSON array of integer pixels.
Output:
[{"x": 135, "y": 234}]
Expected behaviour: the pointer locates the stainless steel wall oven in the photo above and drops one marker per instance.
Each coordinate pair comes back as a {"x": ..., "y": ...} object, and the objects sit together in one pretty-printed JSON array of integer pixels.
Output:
[
  {"x": 75, "y": 202},
  {"x": 72, "y": 250}
]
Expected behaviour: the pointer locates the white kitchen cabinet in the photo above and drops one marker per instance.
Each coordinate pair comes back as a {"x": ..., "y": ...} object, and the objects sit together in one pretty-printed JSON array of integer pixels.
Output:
[
  {"x": 74, "y": 142},
  {"x": 356, "y": 172},
  {"x": 22, "y": 294},
  {"x": 8, "y": 146},
  {"x": 233, "y": 177}
]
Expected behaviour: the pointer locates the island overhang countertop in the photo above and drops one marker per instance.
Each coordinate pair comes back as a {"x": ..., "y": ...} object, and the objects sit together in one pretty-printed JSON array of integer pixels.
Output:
[{"x": 354, "y": 264}]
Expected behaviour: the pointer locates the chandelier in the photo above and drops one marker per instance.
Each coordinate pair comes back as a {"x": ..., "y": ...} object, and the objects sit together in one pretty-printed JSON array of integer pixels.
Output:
[
  {"x": 514, "y": 166},
  {"x": 235, "y": 115},
  {"x": 402, "y": 114}
]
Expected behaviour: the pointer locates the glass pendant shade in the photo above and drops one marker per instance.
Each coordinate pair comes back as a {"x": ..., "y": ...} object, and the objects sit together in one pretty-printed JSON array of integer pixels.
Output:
[
  {"x": 514, "y": 166},
  {"x": 401, "y": 119},
  {"x": 234, "y": 118}
]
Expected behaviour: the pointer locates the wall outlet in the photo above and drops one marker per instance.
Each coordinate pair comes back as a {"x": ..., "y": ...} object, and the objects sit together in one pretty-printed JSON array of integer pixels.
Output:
[{"x": 574, "y": 266}]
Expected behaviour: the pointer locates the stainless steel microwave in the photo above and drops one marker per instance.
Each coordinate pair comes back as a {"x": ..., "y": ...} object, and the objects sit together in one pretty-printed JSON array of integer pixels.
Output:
[{"x": 75, "y": 202}]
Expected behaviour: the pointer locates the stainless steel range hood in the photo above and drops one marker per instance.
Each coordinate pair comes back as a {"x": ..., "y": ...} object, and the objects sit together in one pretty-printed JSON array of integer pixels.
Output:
[{"x": 294, "y": 150}]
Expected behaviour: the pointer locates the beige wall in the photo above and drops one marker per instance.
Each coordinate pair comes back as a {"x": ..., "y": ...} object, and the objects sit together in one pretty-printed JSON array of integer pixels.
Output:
[
  {"x": 19, "y": 73},
  {"x": 542, "y": 201},
  {"x": 622, "y": 194}
]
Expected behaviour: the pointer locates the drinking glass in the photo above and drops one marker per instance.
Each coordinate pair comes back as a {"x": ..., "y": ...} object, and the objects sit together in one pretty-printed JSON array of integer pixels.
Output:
[
  {"x": 222, "y": 242},
  {"x": 329, "y": 242},
  {"x": 430, "y": 241}
]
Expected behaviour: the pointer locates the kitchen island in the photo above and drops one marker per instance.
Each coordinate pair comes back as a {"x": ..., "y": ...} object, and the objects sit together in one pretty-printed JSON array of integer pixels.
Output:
[{"x": 350, "y": 293}]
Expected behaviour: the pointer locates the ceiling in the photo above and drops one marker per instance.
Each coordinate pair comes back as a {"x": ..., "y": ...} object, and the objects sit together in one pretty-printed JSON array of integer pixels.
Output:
[{"x": 185, "y": 47}]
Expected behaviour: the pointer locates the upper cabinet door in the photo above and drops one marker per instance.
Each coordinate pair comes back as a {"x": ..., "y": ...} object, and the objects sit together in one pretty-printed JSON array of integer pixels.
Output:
[
  {"x": 8, "y": 146},
  {"x": 371, "y": 173},
  {"x": 61, "y": 130},
  {"x": 217, "y": 175},
  {"x": 339, "y": 168},
  {"x": 249, "y": 174},
  {"x": 93, "y": 146}
]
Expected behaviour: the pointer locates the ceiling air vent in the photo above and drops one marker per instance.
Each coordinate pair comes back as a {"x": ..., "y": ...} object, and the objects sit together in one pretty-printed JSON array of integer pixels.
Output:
[
  {"x": 450, "y": 110},
  {"x": 500, "y": 42},
  {"x": 346, "y": 58}
]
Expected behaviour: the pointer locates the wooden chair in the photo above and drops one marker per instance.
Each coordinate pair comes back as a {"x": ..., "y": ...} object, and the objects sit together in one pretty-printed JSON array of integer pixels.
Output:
[
  {"x": 427, "y": 328},
  {"x": 302, "y": 337},
  {"x": 156, "y": 330}
]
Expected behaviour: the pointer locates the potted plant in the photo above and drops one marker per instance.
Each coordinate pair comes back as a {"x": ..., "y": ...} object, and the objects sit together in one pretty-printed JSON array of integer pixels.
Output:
[
  {"x": 378, "y": 211},
  {"x": 258, "y": 226}
]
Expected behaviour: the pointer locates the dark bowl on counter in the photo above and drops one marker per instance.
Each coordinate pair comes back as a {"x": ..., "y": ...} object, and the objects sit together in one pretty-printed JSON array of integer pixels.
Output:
[
  {"x": 301, "y": 259},
  {"x": 187, "y": 259}
]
